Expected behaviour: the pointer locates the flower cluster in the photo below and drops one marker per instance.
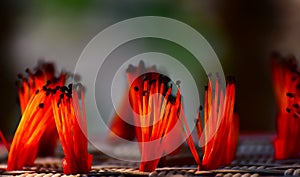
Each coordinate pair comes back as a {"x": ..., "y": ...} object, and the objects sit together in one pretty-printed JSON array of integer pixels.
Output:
[
  {"x": 52, "y": 111},
  {"x": 286, "y": 79},
  {"x": 157, "y": 114},
  {"x": 72, "y": 129},
  {"x": 42, "y": 75},
  {"x": 49, "y": 109},
  {"x": 219, "y": 138},
  {"x": 123, "y": 126}
]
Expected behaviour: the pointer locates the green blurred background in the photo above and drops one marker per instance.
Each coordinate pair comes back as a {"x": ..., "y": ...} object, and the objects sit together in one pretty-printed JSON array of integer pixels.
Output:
[{"x": 242, "y": 33}]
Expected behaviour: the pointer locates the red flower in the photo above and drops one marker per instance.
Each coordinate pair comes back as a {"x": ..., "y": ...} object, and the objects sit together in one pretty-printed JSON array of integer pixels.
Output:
[
  {"x": 70, "y": 120},
  {"x": 218, "y": 109},
  {"x": 156, "y": 112},
  {"x": 44, "y": 73},
  {"x": 157, "y": 116},
  {"x": 35, "y": 120},
  {"x": 51, "y": 108},
  {"x": 120, "y": 126},
  {"x": 286, "y": 81}
]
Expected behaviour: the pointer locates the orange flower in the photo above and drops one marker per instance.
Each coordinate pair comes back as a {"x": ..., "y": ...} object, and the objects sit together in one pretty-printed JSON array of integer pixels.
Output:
[
  {"x": 51, "y": 109},
  {"x": 219, "y": 109},
  {"x": 158, "y": 119},
  {"x": 36, "y": 118},
  {"x": 160, "y": 124},
  {"x": 286, "y": 81},
  {"x": 119, "y": 126},
  {"x": 71, "y": 124},
  {"x": 56, "y": 107},
  {"x": 43, "y": 74},
  {"x": 154, "y": 116}
]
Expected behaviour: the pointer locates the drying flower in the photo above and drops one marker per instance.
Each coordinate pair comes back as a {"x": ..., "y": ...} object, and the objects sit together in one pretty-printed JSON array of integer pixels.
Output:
[
  {"x": 50, "y": 110},
  {"x": 70, "y": 120},
  {"x": 43, "y": 74},
  {"x": 36, "y": 118},
  {"x": 157, "y": 117},
  {"x": 157, "y": 114},
  {"x": 286, "y": 81},
  {"x": 218, "y": 110},
  {"x": 58, "y": 107},
  {"x": 122, "y": 124},
  {"x": 119, "y": 127}
]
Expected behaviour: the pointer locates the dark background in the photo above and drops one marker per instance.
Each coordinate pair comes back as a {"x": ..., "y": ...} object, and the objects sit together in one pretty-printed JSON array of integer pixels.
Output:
[{"x": 243, "y": 33}]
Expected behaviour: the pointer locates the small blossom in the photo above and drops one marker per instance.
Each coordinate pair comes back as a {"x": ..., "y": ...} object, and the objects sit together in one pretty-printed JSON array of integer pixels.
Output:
[
  {"x": 122, "y": 124},
  {"x": 51, "y": 110},
  {"x": 42, "y": 76},
  {"x": 37, "y": 116},
  {"x": 70, "y": 120},
  {"x": 156, "y": 113},
  {"x": 157, "y": 117},
  {"x": 286, "y": 80},
  {"x": 220, "y": 143}
]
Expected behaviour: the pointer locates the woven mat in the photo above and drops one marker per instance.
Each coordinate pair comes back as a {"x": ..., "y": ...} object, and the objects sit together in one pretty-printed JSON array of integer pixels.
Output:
[{"x": 254, "y": 158}]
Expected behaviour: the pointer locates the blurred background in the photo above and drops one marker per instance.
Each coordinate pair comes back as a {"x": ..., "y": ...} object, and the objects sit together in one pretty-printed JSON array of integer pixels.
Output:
[{"x": 242, "y": 33}]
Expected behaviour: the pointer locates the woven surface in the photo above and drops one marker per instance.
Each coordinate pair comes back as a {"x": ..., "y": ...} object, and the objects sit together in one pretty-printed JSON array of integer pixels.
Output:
[{"x": 254, "y": 158}]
